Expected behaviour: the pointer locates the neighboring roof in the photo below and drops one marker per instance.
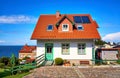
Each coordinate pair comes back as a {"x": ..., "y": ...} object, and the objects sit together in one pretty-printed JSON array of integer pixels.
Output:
[
  {"x": 90, "y": 30},
  {"x": 109, "y": 49},
  {"x": 27, "y": 49},
  {"x": 118, "y": 46}
]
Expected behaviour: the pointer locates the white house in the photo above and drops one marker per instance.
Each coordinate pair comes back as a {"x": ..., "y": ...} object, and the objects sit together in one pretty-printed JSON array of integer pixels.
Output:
[{"x": 69, "y": 36}]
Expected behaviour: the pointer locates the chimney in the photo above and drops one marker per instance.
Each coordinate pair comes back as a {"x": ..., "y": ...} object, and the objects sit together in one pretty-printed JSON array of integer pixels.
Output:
[{"x": 57, "y": 14}]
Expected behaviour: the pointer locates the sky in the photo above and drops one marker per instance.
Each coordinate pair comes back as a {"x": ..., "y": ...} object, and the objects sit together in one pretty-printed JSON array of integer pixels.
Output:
[{"x": 19, "y": 17}]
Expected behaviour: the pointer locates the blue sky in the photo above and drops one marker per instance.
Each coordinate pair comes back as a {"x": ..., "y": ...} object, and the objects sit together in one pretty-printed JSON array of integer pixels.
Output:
[{"x": 18, "y": 17}]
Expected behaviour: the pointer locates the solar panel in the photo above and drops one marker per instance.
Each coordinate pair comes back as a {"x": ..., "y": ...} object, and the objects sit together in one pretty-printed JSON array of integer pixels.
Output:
[
  {"x": 50, "y": 27},
  {"x": 85, "y": 19},
  {"x": 77, "y": 19}
]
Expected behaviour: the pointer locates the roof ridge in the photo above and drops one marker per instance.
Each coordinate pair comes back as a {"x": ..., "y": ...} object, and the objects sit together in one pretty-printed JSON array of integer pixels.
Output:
[{"x": 65, "y": 14}]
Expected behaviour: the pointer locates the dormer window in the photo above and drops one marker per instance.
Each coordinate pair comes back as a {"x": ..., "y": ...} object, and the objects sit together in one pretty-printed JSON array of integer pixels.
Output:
[
  {"x": 65, "y": 27},
  {"x": 80, "y": 27},
  {"x": 49, "y": 27}
]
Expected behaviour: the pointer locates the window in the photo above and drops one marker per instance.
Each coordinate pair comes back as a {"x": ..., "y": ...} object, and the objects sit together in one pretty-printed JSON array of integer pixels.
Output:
[
  {"x": 49, "y": 49},
  {"x": 65, "y": 27},
  {"x": 81, "y": 49},
  {"x": 80, "y": 27},
  {"x": 65, "y": 48},
  {"x": 81, "y": 19},
  {"x": 50, "y": 27}
]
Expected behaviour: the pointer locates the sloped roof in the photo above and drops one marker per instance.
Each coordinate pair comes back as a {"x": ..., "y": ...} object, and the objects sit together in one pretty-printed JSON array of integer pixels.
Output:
[
  {"x": 40, "y": 32},
  {"x": 27, "y": 49}
]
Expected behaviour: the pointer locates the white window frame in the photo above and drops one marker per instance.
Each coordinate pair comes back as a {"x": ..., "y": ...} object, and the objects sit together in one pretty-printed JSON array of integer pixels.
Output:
[
  {"x": 65, "y": 29},
  {"x": 81, "y": 51},
  {"x": 79, "y": 26},
  {"x": 48, "y": 26},
  {"x": 66, "y": 50}
]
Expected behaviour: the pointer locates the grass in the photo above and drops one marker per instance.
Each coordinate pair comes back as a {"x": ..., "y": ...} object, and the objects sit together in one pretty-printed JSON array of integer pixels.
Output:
[{"x": 7, "y": 74}]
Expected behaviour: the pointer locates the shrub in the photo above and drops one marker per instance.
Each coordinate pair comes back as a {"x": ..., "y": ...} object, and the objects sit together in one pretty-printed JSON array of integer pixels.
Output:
[
  {"x": 2, "y": 65},
  {"x": 5, "y": 60},
  {"x": 26, "y": 57},
  {"x": 59, "y": 61},
  {"x": 118, "y": 61}
]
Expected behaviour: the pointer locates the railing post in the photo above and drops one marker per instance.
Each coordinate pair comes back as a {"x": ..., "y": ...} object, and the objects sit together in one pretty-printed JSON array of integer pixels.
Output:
[{"x": 93, "y": 56}]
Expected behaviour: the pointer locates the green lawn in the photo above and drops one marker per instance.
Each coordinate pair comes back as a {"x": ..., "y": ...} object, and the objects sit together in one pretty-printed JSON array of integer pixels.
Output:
[{"x": 6, "y": 74}]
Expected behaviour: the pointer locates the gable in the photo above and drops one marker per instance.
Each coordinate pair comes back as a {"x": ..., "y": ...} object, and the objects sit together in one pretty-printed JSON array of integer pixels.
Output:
[{"x": 67, "y": 22}]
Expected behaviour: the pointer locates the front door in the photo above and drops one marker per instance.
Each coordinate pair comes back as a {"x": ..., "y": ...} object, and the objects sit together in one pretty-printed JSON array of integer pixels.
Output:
[{"x": 49, "y": 51}]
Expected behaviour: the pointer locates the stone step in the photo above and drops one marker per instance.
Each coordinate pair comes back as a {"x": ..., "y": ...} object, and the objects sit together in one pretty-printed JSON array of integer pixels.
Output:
[{"x": 48, "y": 63}]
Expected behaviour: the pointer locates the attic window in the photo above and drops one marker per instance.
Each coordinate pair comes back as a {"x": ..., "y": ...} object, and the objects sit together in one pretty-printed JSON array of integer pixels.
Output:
[
  {"x": 65, "y": 27},
  {"x": 50, "y": 27},
  {"x": 80, "y": 27}
]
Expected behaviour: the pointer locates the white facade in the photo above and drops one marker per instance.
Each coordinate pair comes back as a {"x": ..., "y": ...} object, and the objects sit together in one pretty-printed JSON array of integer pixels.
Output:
[
  {"x": 57, "y": 49},
  {"x": 110, "y": 55}
]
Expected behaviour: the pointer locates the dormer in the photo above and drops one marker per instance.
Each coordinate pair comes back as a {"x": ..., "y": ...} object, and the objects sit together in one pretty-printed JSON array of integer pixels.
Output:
[{"x": 65, "y": 24}]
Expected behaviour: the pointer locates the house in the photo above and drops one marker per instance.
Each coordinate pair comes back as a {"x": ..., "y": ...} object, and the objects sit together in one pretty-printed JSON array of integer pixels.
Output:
[
  {"x": 107, "y": 46},
  {"x": 109, "y": 55},
  {"x": 29, "y": 51},
  {"x": 69, "y": 36}
]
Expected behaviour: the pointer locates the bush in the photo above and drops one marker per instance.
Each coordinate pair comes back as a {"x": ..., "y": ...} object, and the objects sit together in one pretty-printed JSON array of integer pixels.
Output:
[
  {"x": 2, "y": 65},
  {"x": 59, "y": 61},
  {"x": 118, "y": 61},
  {"x": 26, "y": 57},
  {"x": 5, "y": 60}
]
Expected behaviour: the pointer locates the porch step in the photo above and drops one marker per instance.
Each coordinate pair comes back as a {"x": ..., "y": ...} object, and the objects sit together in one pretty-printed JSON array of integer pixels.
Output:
[{"x": 48, "y": 63}]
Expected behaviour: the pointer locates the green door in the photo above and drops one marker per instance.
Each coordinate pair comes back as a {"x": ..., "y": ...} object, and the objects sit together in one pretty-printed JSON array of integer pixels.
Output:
[{"x": 48, "y": 51}]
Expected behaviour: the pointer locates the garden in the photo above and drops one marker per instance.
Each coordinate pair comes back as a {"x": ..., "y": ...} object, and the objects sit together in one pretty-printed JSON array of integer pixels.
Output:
[{"x": 7, "y": 63}]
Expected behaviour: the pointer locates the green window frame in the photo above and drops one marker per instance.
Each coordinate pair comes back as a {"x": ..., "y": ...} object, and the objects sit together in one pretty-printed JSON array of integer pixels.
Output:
[
  {"x": 65, "y": 48},
  {"x": 81, "y": 48}
]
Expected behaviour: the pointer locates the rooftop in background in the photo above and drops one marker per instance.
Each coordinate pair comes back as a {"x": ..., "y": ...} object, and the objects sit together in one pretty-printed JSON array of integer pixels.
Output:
[
  {"x": 90, "y": 27},
  {"x": 27, "y": 49}
]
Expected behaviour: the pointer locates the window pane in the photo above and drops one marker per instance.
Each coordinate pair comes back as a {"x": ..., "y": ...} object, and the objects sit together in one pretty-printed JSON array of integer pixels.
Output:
[
  {"x": 65, "y": 27},
  {"x": 49, "y": 49},
  {"x": 80, "y": 27},
  {"x": 50, "y": 27},
  {"x": 65, "y": 48},
  {"x": 81, "y": 48}
]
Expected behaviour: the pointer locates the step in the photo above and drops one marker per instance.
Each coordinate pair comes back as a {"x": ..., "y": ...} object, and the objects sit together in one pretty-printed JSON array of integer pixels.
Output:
[{"x": 48, "y": 63}]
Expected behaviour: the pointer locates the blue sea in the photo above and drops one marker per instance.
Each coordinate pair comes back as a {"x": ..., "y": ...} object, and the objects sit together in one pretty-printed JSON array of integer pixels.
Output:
[{"x": 8, "y": 50}]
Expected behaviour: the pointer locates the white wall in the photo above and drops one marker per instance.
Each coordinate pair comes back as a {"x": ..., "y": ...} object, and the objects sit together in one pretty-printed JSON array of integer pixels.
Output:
[
  {"x": 73, "y": 48},
  {"x": 109, "y": 55}
]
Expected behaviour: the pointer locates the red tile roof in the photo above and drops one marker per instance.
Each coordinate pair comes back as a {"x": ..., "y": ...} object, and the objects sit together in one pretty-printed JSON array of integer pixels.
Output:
[
  {"x": 27, "y": 49},
  {"x": 40, "y": 32},
  {"x": 109, "y": 49}
]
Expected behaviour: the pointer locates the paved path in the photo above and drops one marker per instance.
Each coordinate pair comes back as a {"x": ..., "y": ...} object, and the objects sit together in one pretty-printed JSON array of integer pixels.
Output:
[{"x": 74, "y": 72}]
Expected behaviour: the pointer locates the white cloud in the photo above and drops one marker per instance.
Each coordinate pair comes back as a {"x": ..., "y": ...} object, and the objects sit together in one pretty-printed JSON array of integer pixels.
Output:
[
  {"x": 1, "y": 41},
  {"x": 15, "y": 19},
  {"x": 114, "y": 37}
]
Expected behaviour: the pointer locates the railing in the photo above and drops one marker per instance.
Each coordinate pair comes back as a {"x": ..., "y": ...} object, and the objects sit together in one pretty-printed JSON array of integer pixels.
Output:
[
  {"x": 38, "y": 62},
  {"x": 97, "y": 61}
]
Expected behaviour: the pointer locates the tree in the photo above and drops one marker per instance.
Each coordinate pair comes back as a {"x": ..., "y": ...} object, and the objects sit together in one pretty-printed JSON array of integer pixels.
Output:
[{"x": 100, "y": 42}]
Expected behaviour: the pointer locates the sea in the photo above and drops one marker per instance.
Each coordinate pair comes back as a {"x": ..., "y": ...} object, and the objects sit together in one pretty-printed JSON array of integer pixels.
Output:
[{"x": 7, "y": 51}]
